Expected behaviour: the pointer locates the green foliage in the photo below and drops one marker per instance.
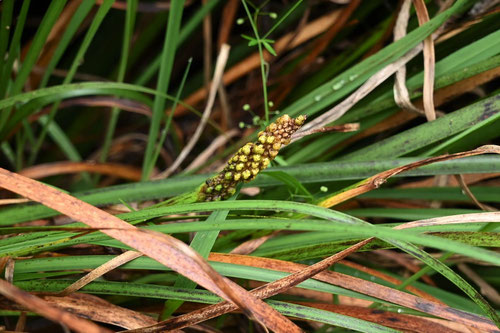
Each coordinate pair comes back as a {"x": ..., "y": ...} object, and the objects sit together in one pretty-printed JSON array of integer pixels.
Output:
[{"x": 156, "y": 63}]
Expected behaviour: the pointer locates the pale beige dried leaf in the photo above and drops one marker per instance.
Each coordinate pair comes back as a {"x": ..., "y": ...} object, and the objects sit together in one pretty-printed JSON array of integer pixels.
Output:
[
  {"x": 100, "y": 271},
  {"x": 219, "y": 141},
  {"x": 488, "y": 217},
  {"x": 401, "y": 94},
  {"x": 429, "y": 62},
  {"x": 214, "y": 85},
  {"x": 373, "y": 82},
  {"x": 253, "y": 244}
]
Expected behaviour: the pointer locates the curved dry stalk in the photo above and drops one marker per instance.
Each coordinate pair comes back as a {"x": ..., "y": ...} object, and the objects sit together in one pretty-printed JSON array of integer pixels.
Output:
[
  {"x": 489, "y": 217},
  {"x": 429, "y": 62},
  {"x": 401, "y": 94},
  {"x": 340, "y": 109},
  {"x": 117, "y": 261},
  {"x": 219, "y": 70},
  {"x": 210, "y": 150}
]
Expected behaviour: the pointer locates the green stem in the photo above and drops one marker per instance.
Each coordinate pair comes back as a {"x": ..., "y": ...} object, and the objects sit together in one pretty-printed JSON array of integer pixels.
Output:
[{"x": 262, "y": 60}]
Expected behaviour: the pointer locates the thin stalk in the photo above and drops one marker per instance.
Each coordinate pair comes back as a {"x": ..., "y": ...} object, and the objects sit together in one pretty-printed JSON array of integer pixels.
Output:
[
  {"x": 12, "y": 55},
  {"x": 164, "y": 132},
  {"x": 262, "y": 60},
  {"x": 5, "y": 23},
  {"x": 31, "y": 57},
  {"x": 115, "y": 111},
  {"x": 167, "y": 61},
  {"x": 101, "y": 14},
  {"x": 277, "y": 24}
]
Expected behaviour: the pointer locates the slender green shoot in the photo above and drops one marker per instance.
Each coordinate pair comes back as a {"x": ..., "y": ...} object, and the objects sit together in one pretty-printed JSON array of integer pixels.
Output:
[{"x": 167, "y": 61}]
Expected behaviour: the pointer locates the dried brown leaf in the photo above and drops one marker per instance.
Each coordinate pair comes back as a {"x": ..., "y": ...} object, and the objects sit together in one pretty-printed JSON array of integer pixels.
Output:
[
  {"x": 377, "y": 180},
  {"x": 163, "y": 248},
  {"x": 65, "y": 167},
  {"x": 268, "y": 290},
  {"x": 97, "y": 309},
  {"x": 385, "y": 318},
  {"x": 390, "y": 279},
  {"x": 43, "y": 308},
  {"x": 366, "y": 287}
]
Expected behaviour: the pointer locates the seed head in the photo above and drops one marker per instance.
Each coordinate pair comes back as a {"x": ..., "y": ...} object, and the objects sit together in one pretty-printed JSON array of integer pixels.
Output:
[{"x": 251, "y": 159}]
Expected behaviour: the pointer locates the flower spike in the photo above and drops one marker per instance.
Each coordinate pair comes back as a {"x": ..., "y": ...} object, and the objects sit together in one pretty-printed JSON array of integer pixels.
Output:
[{"x": 250, "y": 159}]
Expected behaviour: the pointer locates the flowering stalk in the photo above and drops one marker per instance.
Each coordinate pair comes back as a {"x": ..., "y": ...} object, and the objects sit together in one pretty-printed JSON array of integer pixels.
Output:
[{"x": 245, "y": 164}]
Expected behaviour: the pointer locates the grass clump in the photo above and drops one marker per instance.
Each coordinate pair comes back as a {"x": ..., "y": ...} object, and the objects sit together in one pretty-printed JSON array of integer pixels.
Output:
[{"x": 100, "y": 100}]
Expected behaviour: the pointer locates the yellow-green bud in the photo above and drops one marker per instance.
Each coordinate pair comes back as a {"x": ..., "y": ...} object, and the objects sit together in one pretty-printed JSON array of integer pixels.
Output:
[
  {"x": 218, "y": 187},
  {"x": 246, "y": 174},
  {"x": 256, "y": 157},
  {"x": 277, "y": 146},
  {"x": 240, "y": 166},
  {"x": 237, "y": 176},
  {"x": 228, "y": 175},
  {"x": 283, "y": 119},
  {"x": 259, "y": 149},
  {"x": 243, "y": 158},
  {"x": 255, "y": 172},
  {"x": 262, "y": 139},
  {"x": 270, "y": 139},
  {"x": 247, "y": 149},
  {"x": 299, "y": 121}
]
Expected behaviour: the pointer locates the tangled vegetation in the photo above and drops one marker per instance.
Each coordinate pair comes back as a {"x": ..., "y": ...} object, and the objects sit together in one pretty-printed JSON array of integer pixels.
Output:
[{"x": 157, "y": 171}]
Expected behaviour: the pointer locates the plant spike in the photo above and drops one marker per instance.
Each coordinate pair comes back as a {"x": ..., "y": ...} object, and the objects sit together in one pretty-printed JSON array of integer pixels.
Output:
[
  {"x": 250, "y": 159},
  {"x": 244, "y": 165}
]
